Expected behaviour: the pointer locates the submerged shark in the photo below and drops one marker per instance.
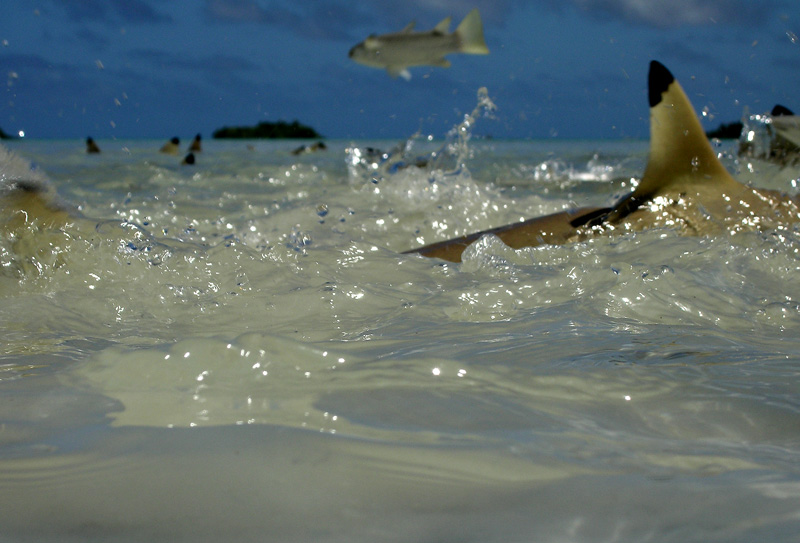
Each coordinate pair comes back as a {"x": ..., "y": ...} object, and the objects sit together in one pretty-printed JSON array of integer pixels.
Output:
[
  {"x": 398, "y": 51},
  {"x": 773, "y": 137},
  {"x": 684, "y": 186},
  {"x": 786, "y": 124}
]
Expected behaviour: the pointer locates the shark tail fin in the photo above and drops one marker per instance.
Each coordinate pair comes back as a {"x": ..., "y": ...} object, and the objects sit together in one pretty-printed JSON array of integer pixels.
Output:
[
  {"x": 681, "y": 157},
  {"x": 470, "y": 33}
]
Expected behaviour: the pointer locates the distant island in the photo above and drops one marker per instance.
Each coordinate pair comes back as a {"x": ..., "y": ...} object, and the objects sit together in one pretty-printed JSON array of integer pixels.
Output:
[
  {"x": 729, "y": 131},
  {"x": 267, "y": 130}
]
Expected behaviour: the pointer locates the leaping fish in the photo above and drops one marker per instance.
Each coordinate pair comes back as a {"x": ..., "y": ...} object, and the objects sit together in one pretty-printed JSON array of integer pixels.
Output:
[
  {"x": 684, "y": 186},
  {"x": 399, "y": 51}
]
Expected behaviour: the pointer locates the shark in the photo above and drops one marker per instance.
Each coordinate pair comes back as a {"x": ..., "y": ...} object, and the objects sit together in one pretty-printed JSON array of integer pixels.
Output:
[
  {"x": 684, "y": 186},
  {"x": 772, "y": 137},
  {"x": 786, "y": 124},
  {"x": 396, "y": 52}
]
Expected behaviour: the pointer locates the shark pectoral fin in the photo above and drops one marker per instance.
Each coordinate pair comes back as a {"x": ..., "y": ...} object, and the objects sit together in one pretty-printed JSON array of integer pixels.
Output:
[
  {"x": 624, "y": 207},
  {"x": 470, "y": 34},
  {"x": 681, "y": 158},
  {"x": 593, "y": 217},
  {"x": 449, "y": 250}
]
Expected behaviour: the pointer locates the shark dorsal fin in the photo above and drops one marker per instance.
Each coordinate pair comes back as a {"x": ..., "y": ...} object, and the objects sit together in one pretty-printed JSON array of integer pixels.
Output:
[
  {"x": 681, "y": 157},
  {"x": 781, "y": 111}
]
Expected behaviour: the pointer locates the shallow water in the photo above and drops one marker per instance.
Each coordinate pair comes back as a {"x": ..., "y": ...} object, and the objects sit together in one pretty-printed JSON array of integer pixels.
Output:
[{"x": 237, "y": 349}]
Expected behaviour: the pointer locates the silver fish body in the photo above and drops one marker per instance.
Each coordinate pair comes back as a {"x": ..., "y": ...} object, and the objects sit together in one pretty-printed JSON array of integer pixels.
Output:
[{"x": 398, "y": 51}]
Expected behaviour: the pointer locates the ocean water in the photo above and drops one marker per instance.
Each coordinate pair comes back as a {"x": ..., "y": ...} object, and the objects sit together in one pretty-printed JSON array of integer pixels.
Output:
[{"x": 237, "y": 350}]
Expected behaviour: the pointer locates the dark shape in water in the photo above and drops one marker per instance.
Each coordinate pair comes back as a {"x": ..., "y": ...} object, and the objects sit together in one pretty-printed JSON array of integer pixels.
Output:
[
  {"x": 268, "y": 130},
  {"x": 91, "y": 146}
]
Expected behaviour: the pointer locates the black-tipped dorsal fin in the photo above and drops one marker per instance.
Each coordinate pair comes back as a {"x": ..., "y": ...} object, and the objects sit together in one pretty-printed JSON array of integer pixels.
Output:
[
  {"x": 658, "y": 81},
  {"x": 781, "y": 111},
  {"x": 681, "y": 157},
  {"x": 680, "y": 153}
]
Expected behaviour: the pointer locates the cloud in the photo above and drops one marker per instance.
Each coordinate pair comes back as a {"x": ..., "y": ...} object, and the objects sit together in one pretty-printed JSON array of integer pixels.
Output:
[
  {"x": 215, "y": 63},
  {"x": 347, "y": 20},
  {"x": 221, "y": 71},
  {"x": 94, "y": 40},
  {"x": 324, "y": 19},
  {"x": 236, "y": 11},
  {"x": 18, "y": 62},
  {"x": 431, "y": 11},
  {"x": 126, "y": 11},
  {"x": 676, "y": 13}
]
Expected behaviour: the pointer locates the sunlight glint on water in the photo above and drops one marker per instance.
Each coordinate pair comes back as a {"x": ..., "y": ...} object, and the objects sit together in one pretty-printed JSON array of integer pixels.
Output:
[{"x": 244, "y": 331}]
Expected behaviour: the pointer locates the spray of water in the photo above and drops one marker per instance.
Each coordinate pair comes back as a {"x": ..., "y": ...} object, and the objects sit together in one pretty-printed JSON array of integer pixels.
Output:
[{"x": 370, "y": 166}]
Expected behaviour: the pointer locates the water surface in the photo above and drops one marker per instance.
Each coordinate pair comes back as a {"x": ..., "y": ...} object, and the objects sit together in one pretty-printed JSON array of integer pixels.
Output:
[{"x": 236, "y": 349}]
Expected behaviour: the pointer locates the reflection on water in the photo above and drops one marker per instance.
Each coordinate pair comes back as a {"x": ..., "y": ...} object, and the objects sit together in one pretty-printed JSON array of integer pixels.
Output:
[{"x": 236, "y": 349}]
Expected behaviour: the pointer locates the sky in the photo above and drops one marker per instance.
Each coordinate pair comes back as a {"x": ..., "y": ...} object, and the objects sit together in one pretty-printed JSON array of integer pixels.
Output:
[{"x": 119, "y": 69}]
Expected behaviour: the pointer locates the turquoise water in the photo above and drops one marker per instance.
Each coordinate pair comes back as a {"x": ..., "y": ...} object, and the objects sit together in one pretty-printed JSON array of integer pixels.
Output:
[{"x": 237, "y": 350}]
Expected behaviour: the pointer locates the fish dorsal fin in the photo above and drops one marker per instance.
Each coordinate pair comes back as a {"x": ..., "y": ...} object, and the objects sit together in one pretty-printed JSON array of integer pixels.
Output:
[
  {"x": 409, "y": 28},
  {"x": 372, "y": 42},
  {"x": 681, "y": 158},
  {"x": 444, "y": 26}
]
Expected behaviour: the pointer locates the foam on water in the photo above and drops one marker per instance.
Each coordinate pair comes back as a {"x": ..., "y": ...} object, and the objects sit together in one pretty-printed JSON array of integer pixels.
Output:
[{"x": 244, "y": 331}]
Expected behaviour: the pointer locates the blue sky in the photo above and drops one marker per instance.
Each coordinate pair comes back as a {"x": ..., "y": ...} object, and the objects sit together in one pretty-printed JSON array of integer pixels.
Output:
[{"x": 557, "y": 68}]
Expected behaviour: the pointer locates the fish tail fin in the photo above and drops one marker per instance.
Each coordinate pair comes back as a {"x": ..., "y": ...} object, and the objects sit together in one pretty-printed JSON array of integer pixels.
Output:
[
  {"x": 681, "y": 157},
  {"x": 470, "y": 32}
]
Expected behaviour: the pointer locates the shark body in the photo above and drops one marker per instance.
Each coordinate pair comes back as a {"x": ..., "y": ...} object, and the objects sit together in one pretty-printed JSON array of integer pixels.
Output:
[
  {"x": 684, "y": 185},
  {"x": 396, "y": 52},
  {"x": 772, "y": 137}
]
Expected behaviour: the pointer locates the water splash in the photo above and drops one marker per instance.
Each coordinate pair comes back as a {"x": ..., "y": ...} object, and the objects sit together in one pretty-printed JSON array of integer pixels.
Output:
[
  {"x": 371, "y": 166},
  {"x": 455, "y": 152}
]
